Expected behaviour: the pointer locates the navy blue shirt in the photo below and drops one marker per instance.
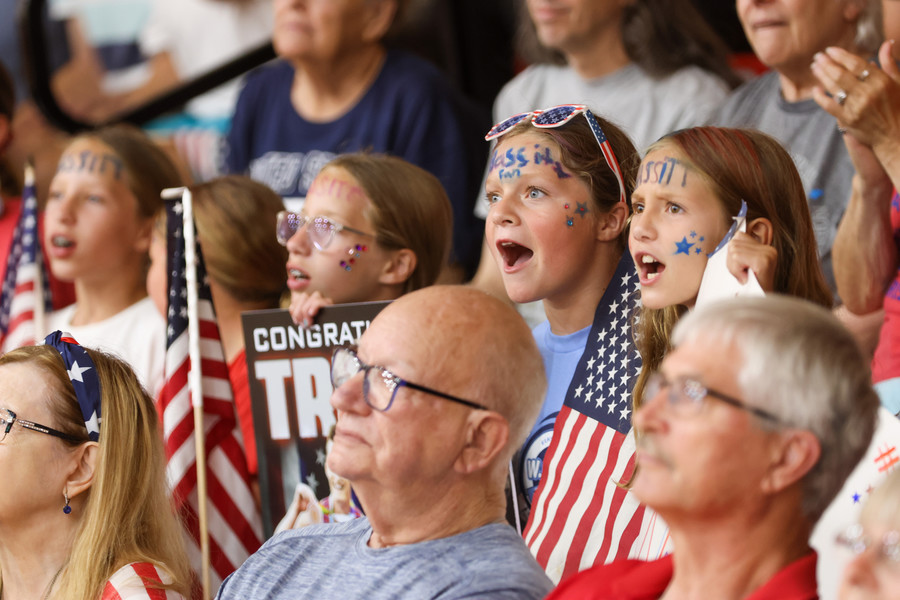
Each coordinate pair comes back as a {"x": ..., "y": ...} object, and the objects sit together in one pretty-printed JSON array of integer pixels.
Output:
[{"x": 407, "y": 112}]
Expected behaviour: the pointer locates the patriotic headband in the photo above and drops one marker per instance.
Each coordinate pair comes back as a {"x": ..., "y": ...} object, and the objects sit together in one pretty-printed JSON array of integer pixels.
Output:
[{"x": 83, "y": 376}]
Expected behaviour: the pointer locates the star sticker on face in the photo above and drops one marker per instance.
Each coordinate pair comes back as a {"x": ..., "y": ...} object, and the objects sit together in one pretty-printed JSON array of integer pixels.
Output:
[
  {"x": 582, "y": 209},
  {"x": 684, "y": 246},
  {"x": 76, "y": 371}
]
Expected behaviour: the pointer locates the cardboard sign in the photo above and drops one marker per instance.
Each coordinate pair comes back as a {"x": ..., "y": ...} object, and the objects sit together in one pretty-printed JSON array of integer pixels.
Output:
[{"x": 289, "y": 369}]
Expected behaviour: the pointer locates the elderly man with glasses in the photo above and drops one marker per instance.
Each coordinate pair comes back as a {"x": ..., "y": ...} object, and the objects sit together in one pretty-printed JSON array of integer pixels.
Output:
[
  {"x": 758, "y": 415},
  {"x": 443, "y": 388}
]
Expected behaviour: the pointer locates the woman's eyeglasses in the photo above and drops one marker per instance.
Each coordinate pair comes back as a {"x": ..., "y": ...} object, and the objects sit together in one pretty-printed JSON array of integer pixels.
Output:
[
  {"x": 558, "y": 116},
  {"x": 8, "y": 418},
  {"x": 321, "y": 230}
]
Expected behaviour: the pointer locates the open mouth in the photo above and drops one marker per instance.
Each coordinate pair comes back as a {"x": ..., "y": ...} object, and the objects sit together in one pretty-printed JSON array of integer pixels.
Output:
[
  {"x": 650, "y": 267},
  {"x": 59, "y": 241},
  {"x": 513, "y": 254},
  {"x": 297, "y": 274}
]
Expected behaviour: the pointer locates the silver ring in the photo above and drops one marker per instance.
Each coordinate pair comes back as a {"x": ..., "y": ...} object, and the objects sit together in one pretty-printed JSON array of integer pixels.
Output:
[
  {"x": 840, "y": 97},
  {"x": 864, "y": 75}
]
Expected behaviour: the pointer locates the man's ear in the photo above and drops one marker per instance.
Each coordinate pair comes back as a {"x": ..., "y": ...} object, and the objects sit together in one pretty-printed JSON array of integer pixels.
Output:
[
  {"x": 399, "y": 268},
  {"x": 611, "y": 223},
  {"x": 487, "y": 433},
  {"x": 761, "y": 230},
  {"x": 83, "y": 467},
  {"x": 794, "y": 455}
]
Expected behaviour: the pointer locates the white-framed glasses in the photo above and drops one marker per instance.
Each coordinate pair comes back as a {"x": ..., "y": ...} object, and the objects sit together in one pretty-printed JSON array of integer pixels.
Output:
[
  {"x": 321, "y": 230},
  {"x": 887, "y": 549}
]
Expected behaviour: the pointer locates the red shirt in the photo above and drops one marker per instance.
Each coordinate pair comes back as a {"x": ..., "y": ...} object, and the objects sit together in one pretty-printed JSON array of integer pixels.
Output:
[
  {"x": 886, "y": 364},
  {"x": 639, "y": 580},
  {"x": 240, "y": 385}
]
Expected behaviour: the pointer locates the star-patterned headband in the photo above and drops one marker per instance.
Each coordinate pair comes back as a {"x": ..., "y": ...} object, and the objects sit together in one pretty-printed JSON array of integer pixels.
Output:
[{"x": 83, "y": 376}]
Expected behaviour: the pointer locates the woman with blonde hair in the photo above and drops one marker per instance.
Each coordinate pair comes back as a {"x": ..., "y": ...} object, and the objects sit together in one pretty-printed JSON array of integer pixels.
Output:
[{"x": 87, "y": 514}]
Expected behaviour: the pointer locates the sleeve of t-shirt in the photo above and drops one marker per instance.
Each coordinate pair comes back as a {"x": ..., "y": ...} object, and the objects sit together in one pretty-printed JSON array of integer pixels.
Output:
[
  {"x": 236, "y": 152},
  {"x": 155, "y": 37}
]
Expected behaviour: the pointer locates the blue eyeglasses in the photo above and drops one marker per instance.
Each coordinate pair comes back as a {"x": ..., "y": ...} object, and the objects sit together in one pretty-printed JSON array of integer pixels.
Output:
[
  {"x": 380, "y": 385},
  {"x": 558, "y": 116}
]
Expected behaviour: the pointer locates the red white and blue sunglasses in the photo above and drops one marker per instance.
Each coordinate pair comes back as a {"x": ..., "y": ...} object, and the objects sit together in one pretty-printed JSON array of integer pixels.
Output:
[{"x": 557, "y": 116}]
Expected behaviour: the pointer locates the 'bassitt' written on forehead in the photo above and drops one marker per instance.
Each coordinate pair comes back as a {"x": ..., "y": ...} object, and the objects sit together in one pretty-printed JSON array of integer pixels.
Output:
[
  {"x": 88, "y": 161},
  {"x": 668, "y": 171},
  {"x": 331, "y": 187},
  {"x": 508, "y": 163}
]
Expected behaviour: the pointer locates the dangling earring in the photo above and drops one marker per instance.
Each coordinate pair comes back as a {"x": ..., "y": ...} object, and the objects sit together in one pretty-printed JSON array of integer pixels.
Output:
[{"x": 67, "y": 509}]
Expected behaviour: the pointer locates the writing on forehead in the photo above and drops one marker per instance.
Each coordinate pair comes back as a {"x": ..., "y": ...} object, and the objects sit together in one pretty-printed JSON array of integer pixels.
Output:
[
  {"x": 87, "y": 161},
  {"x": 324, "y": 185},
  {"x": 509, "y": 163},
  {"x": 668, "y": 171}
]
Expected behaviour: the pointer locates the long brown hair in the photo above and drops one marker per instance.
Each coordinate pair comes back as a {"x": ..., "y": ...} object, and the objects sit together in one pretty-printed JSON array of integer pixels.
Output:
[{"x": 743, "y": 164}]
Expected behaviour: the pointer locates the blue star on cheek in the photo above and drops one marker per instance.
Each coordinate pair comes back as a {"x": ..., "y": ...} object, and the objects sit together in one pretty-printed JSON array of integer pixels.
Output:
[
  {"x": 683, "y": 247},
  {"x": 697, "y": 250},
  {"x": 582, "y": 209},
  {"x": 693, "y": 234}
]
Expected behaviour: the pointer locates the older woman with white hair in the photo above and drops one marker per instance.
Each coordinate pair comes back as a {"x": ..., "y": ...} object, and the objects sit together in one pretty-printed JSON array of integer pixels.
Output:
[
  {"x": 874, "y": 573},
  {"x": 745, "y": 435},
  {"x": 786, "y": 35}
]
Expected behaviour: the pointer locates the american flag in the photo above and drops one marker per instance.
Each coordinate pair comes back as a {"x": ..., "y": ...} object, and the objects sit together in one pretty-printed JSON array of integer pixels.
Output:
[
  {"x": 235, "y": 527},
  {"x": 579, "y": 516},
  {"x": 25, "y": 280}
]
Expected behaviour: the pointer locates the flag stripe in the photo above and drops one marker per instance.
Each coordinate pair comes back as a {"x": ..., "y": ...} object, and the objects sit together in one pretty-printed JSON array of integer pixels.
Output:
[
  {"x": 580, "y": 517},
  {"x": 233, "y": 520}
]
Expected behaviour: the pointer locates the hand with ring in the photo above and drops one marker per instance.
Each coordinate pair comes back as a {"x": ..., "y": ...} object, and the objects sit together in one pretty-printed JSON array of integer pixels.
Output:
[{"x": 864, "y": 98}]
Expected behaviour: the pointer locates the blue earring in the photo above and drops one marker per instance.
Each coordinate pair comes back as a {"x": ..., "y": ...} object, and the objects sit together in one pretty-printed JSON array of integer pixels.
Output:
[{"x": 67, "y": 509}]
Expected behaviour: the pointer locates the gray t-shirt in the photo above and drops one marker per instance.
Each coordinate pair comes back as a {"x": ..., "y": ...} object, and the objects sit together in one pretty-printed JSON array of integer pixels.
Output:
[
  {"x": 811, "y": 136},
  {"x": 334, "y": 561}
]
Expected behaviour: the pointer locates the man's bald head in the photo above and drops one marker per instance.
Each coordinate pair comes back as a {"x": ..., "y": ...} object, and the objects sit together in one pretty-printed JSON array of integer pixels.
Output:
[{"x": 469, "y": 344}]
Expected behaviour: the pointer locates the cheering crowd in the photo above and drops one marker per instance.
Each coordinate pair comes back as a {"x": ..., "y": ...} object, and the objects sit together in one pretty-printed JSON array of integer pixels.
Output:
[{"x": 640, "y": 333}]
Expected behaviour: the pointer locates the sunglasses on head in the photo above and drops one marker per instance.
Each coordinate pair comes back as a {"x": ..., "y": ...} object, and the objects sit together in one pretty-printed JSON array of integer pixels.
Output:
[{"x": 558, "y": 116}]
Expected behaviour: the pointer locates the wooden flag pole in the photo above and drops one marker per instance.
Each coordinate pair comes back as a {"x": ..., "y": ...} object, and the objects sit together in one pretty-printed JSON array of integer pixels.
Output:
[{"x": 196, "y": 383}]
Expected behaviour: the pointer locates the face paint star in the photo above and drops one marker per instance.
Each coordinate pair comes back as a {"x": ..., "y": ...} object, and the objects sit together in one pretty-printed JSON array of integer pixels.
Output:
[
  {"x": 697, "y": 250},
  {"x": 76, "y": 371},
  {"x": 693, "y": 234},
  {"x": 582, "y": 209},
  {"x": 683, "y": 247}
]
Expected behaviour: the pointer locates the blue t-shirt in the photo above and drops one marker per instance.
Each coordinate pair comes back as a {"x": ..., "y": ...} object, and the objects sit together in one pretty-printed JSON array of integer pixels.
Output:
[
  {"x": 561, "y": 354},
  {"x": 407, "y": 112},
  {"x": 335, "y": 561}
]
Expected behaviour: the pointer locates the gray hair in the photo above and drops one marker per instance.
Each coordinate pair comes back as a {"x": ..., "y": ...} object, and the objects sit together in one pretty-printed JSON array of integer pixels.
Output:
[
  {"x": 869, "y": 27},
  {"x": 801, "y": 364},
  {"x": 883, "y": 506}
]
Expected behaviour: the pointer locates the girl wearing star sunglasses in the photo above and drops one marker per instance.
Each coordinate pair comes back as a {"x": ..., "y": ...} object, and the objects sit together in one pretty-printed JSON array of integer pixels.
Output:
[{"x": 373, "y": 227}]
